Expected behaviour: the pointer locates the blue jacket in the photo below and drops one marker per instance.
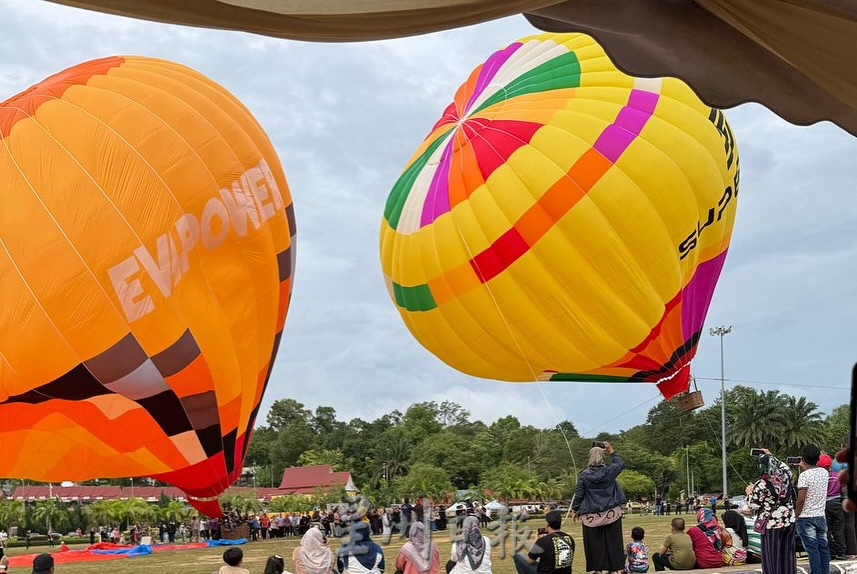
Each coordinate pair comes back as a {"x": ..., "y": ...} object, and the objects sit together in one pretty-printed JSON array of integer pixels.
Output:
[{"x": 597, "y": 489}]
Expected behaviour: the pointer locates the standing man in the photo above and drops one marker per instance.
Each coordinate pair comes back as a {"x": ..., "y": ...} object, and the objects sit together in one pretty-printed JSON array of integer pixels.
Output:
[
  {"x": 407, "y": 511},
  {"x": 833, "y": 511},
  {"x": 553, "y": 551},
  {"x": 194, "y": 528},
  {"x": 810, "y": 507}
]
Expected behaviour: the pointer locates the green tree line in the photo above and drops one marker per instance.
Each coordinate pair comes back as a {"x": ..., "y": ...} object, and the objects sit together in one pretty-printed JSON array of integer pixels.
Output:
[{"x": 435, "y": 448}]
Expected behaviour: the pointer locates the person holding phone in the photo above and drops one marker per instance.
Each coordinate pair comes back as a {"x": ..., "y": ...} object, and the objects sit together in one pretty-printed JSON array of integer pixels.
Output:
[
  {"x": 552, "y": 553},
  {"x": 598, "y": 500},
  {"x": 772, "y": 499},
  {"x": 313, "y": 556}
]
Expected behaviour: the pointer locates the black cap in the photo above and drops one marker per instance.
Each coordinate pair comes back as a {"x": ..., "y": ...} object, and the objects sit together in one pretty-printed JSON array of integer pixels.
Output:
[{"x": 43, "y": 563}]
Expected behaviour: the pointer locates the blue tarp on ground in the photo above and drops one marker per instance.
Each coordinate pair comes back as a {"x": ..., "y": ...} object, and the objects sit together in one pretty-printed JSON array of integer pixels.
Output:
[
  {"x": 223, "y": 542},
  {"x": 133, "y": 551}
]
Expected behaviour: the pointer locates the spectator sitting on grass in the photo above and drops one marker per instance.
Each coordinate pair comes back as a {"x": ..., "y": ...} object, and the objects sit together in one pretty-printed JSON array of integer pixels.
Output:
[
  {"x": 677, "y": 550},
  {"x": 637, "y": 552},
  {"x": 233, "y": 558}
]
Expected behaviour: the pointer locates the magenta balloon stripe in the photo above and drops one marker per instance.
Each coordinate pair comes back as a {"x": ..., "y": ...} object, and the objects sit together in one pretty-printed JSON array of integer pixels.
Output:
[
  {"x": 437, "y": 200},
  {"x": 489, "y": 70},
  {"x": 614, "y": 140},
  {"x": 696, "y": 295}
]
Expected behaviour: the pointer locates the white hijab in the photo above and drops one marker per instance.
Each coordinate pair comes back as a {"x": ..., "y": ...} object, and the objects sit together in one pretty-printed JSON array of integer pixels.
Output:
[{"x": 315, "y": 555}]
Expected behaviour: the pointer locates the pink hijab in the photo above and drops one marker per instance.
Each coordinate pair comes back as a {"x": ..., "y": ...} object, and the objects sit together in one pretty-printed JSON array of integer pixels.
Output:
[{"x": 419, "y": 549}]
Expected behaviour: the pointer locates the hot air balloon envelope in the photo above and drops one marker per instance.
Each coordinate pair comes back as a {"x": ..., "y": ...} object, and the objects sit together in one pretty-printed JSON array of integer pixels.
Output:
[
  {"x": 563, "y": 221},
  {"x": 145, "y": 272}
]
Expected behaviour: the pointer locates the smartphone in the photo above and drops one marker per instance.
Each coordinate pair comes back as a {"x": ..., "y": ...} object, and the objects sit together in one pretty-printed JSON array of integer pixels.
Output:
[
  {"x": 599, "y": 444},
  {"x": 793, "y": 460},
  {"x": 757, "y": 451},
  {"x": 852, "y": 447},
  {"x": 541, "y": 531}
]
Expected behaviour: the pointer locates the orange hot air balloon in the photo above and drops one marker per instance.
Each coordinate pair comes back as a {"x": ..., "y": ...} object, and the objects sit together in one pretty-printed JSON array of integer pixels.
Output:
[{"x": 146, "y": 257}]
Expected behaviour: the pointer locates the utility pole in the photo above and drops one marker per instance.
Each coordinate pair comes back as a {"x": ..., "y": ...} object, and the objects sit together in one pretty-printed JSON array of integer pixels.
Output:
[
  {"x": 721, "y": 331},
  {"x": 687, "y": 462}
]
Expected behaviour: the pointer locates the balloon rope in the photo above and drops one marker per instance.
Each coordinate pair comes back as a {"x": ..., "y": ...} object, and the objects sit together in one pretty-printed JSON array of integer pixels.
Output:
[{"x": 517, "y": 344}]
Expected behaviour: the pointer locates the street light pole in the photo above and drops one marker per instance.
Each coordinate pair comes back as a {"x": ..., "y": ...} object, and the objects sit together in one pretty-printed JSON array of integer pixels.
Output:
[{"x": 721, "y": 331}]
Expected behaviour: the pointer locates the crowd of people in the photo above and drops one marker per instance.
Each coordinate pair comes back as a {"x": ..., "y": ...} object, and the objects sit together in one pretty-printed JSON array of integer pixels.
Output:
[{"x": 780, "y": 512}]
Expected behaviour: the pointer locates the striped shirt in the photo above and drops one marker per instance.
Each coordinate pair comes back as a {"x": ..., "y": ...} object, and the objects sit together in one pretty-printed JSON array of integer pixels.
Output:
[{"x": 754, "y": 539}]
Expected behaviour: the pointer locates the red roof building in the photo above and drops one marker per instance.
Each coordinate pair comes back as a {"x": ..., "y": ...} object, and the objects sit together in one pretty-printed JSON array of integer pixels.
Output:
[
  {"x": 306, "y": 479},
  {"x": 299, "y": 480}
]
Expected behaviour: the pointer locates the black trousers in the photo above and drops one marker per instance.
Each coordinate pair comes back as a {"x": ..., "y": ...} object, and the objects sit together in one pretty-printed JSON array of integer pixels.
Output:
[
  {"x": 835, "y": 526},
  {"x": 661, "y": 561}
]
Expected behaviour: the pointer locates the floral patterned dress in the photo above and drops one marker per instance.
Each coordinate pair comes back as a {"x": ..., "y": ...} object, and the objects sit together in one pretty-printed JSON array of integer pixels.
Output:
[{"x": 778, "y": 510}]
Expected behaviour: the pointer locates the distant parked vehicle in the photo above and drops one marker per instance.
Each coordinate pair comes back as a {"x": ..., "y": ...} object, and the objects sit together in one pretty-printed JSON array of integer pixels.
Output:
[{"x": 737, "y": 501}]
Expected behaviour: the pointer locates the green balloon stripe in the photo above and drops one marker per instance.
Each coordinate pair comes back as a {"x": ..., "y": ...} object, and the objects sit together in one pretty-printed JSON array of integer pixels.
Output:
[
  {"x": 416, "y": 298},
  {"x": 402, "y": 187},
  {"x": 555, "y": 74}
]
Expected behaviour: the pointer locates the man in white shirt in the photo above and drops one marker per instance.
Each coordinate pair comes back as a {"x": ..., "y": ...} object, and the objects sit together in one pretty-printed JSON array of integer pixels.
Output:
[{"x": 809, "y": 508}]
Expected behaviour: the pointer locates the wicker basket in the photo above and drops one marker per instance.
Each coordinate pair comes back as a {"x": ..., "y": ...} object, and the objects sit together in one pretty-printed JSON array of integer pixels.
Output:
[
  {"x": 240, "y": 531},
  {"x": 690, "y": 401}
]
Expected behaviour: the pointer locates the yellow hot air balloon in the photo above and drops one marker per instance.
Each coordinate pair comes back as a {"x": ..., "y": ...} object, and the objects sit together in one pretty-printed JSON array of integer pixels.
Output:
[
  {"x": 146, "y": 257},
  {"x": 563, "y": 220}
]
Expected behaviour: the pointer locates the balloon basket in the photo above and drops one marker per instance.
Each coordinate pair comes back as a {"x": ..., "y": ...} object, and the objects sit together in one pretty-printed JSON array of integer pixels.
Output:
[{"x": 690, "y": 401}]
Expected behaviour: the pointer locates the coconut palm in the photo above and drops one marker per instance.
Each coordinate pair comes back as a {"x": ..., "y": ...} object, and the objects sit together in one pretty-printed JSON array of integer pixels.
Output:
[
  {"x": 393, "y": 453},
  {"x": 758, "y": 420},
  {"x": 135, "y": 509},
  {"x": 11, "y": 513},
  {"x": 49, "y": 513},
  {"x": 803, "y": 424},
  {"x": 174, "y": 511}
]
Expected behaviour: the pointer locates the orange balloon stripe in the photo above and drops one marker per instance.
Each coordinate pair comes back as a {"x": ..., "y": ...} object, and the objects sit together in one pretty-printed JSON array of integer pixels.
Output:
[
  {"x": 25, "y": 104},
  {"x": 510, "y": 246},
  {"x": 194, "y": 379}
]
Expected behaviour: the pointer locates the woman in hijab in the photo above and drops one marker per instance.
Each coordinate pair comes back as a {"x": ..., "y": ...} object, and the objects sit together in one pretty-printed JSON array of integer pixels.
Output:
[
  {"x": 471, "y": 553},
  {"x": 313, "y": 556},
  {"x": 597, "y": 503},
  {"x": 772, "y": 498},
  {"x": 275, "y": 565},
  {"x": 737, "y": 528},
  {"x": 707, "y": 541},
  {"x": 735, "y": 539},
  {"x": 419, "y": 555},
  {"x": 359, "y": 555}
]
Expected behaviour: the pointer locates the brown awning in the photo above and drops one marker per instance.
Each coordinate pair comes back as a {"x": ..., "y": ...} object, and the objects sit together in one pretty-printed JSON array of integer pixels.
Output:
[
  {"x": 317, "y": 20},
  {"x": 797, "y": 57},
  {"x": 794, "y": 56}
]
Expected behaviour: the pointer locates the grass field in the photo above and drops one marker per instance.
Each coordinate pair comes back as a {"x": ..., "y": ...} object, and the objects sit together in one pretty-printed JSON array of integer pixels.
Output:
[{"x": 207, "y": 560}]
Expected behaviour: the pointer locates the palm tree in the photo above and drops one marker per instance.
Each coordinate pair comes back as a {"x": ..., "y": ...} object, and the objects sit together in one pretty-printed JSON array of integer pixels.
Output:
[
  {"x": 50, "y": 513},
  {"x": 803, "y": 423},
  {"x": 758, "y": 420},
  {"x": 393, "y": 453},
  {"x": 107, "y": 512},
  {"x": 136, "y": 509},
  {"x": 11, "y": 513},
  {"x": 551, "y": 489},
  {"x": 174, "y": 511}
]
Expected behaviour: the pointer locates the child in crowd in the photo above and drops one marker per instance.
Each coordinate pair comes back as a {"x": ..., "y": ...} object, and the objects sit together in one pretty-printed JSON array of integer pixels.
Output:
[
  {"x": 233, "y": 557},
  {"x": 677, "y": 550},
  {"x": 637, "y": 552}
]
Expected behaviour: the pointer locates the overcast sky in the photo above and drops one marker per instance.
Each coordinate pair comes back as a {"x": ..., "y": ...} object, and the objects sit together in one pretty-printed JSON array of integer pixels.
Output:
[{"x": 346, "y": 117}]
